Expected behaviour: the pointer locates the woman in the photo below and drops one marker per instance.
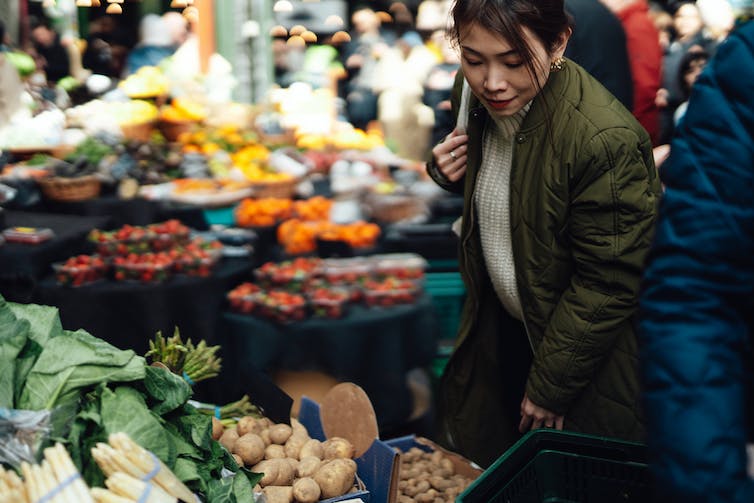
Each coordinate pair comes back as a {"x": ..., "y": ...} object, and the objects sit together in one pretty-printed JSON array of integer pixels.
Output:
[{"x": 560, "y": 199}]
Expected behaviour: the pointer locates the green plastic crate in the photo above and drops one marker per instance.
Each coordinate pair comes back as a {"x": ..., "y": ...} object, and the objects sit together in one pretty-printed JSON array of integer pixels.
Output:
[
  {"x": 551, "y": 466},
  {"x": 447, "y": 292}
]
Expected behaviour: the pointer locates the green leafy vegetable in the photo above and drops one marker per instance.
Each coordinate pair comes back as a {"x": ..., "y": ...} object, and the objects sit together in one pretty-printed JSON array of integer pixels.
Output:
[{"x": 167, "y": 390}]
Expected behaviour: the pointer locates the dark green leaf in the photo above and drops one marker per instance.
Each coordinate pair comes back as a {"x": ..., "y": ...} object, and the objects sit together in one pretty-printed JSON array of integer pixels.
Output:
[
  {"x": 124, "y": 410},
  {"x": 168, "y": 390},
  {"x": 74, "y": 361}
]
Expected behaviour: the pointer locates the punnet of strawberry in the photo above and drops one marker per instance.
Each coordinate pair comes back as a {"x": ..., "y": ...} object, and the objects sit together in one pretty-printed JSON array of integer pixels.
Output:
[
  {"x": 127, "y": 239},
  {"x": 80, "y": 270},
  {"x": 281, "y": 306},
  {"x": 167, "y": 234},
  {"x": 242, "y": 298},
  {"x": 328, "y": 302},
  {"x": 390, "y": 291},
  {"x": 145, "y": 267}
]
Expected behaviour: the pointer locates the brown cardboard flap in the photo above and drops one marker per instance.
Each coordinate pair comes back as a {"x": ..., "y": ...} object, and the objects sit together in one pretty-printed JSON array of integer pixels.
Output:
[{"x": 347, "y": 412}]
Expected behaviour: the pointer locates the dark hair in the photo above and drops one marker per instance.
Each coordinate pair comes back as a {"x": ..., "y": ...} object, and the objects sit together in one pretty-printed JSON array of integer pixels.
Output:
[
  {"x": 546, "y": 19},
  {"x": 2, "y": 32},
  {"x": 689, "y": 58}
]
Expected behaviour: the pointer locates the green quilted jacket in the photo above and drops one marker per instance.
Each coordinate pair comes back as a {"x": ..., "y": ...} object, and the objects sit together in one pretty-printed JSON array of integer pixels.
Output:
[{"x": 583, "y": 201}]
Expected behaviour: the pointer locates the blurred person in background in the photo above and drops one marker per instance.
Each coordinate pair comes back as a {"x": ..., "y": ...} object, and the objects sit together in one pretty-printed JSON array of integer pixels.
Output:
[
  {"x": 361, "y": 57},
  {"x": 438, "y": 87},
  {"x": 696, "y": 324},
  {"x": 105, "y": 51},
  {"x": 401, "y": 73},
  {"x": 155, "y": 44},
  {"x": 663, "y": 22},
  {"x": 178, "y": 27},
  {"x": 645, "y": 57},
  {"x": 48, "y": 50},
  {"x": 687, "y": 26},
  {"x": 718, "y": 19},
  {"x": 598, "y": 44},
  {"x": 692, "y": 64},
  {"x": 560, "y": 195}
]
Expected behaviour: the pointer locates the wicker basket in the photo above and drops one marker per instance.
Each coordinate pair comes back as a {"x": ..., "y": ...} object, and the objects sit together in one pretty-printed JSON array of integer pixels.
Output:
[
  {"x": 171, "y": 130},
  {"x": 70, "y": 189},
  {"x": 141, "y": 131},
  {"x": 390, "y": 208},
  {"x": 281, "y": 189}
]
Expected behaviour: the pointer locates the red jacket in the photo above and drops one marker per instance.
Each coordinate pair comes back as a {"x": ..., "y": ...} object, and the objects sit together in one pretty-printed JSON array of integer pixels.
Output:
[{"x": 645, "y": 58}]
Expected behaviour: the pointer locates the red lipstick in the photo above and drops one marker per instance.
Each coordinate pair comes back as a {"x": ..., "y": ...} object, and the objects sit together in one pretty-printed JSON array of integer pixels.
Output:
[{"x": 499, "y": 104}]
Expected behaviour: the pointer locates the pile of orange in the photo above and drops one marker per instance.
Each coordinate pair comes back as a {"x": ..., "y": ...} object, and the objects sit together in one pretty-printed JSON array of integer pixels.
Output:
[
  {"x": 299, "y": 236},
  {"x": 262, "y": 212},
  {"x": 314, "y": 208}
]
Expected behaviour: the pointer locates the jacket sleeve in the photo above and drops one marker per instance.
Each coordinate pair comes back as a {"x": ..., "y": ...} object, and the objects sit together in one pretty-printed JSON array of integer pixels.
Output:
[
  {"x": 696, "y": 303},
  {"x": 612, "y": 216},
  {"x": 432, "y": 169}
]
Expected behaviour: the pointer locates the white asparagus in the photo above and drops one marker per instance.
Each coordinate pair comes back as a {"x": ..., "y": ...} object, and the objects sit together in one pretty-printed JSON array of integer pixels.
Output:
[
  {"x": 130, "y": 487},
  {"x": 32, "y": 488},
  {"x": 101, "y": 495},
  {"x": 144, "y": 459},
  {"x": 65, "y": 472},
  {"x": 62, "y": 476},
  {"x": 13, "y": 496},
  {"x": 50, "y": 484},
  {"x": 80, "y": 489}
]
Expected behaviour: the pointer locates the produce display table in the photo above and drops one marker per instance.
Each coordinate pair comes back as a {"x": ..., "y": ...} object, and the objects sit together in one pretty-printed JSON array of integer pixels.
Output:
[
  {"x": 21, "y": 265},
  {"x": 127, "y": 314},
  {"x": 372, "y": 347},
  {"x": 136, "y": 211}
]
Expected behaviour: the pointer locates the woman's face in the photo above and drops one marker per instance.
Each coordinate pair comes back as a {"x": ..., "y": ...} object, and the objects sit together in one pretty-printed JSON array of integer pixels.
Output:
[{"x": 497, "y": 74}]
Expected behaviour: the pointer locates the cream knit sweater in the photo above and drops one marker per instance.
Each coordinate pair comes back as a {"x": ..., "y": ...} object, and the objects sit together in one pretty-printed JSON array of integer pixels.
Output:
[{"x": 492, "y": 200}]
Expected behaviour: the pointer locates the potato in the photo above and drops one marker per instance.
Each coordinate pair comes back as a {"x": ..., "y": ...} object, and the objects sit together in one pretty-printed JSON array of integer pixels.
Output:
[
  {"x": 265, "y": 435},
  {"x": 217, "y": 428},
  {"x": 286, "y": 472},
  {"x": 278, "y": 494},
  {"x": 273, "y": 451},
  {"x": 280, "y": 433},
  {"x": 337, "y": 447},
  {"x": 246, "y": 424},
  {"x": 228, "y": 438},
  {"x": 237, "y": 459},
  {"x": 336, "y": 477},
  {"x": 308, "y": 466},
  {"x": 293, "y": 446},
  {"x": 312, "y": 447},
  {"x": 250, "y": 447},
  {"x": 269, "y": 469},
  {"x": 298, "y": 428},
  {"x": 306, "y": 490}
]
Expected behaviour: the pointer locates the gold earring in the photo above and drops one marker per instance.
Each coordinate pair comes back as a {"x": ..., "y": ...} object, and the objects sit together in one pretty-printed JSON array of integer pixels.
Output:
[{"x": 557, "y": 64}]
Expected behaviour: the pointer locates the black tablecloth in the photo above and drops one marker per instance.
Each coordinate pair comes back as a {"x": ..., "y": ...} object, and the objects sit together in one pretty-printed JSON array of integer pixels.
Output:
[
  {"x": 22, "y": 264},
  {"x": 372, "y": 347},
  {"x": 135, "y": 211},
  {"x": 127, "y": 314}
]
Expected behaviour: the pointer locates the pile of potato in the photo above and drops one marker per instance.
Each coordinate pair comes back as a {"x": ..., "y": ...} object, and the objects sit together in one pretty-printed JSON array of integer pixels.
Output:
[
  {"x": 295, "y": 467},
  {"x": 429, "y": 477}
]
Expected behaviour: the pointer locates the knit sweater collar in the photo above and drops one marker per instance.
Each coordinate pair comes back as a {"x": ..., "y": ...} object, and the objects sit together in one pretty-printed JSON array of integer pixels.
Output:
[{"x": 509, "y": 125}]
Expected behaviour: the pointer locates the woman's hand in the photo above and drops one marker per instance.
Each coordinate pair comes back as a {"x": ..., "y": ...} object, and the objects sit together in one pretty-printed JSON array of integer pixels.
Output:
[
  {"x": 533, "y": 416},
  {"x": 450, "y": 155}
]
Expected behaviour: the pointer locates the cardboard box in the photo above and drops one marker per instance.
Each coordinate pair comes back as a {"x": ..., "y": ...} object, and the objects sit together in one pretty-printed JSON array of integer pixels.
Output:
[
  {"x": 461, "y": 465},
  {"x": 376, "y": 467}
]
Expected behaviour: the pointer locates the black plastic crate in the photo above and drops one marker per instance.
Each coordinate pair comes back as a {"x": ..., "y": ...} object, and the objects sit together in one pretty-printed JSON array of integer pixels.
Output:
[{"x": 551, "y": 466}]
